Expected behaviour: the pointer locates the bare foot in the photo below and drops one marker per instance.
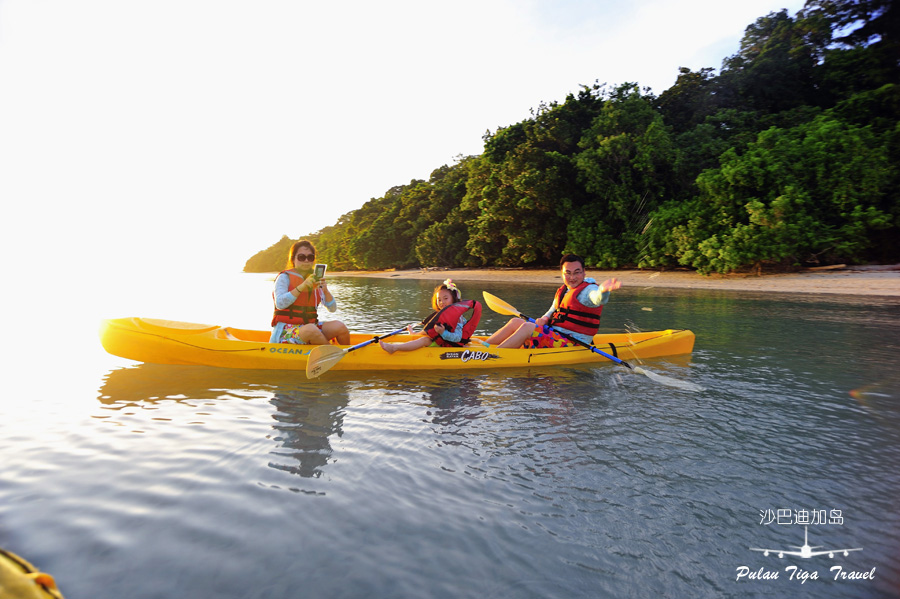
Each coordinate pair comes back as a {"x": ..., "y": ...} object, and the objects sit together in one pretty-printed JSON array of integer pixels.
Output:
[{"x": 388, "y": 347}]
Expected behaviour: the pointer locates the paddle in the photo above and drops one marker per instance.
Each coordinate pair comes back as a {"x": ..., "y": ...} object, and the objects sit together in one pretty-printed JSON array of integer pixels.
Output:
[
  {"x": 323, "y": 357},
  {"x": 498, "y": 305}
]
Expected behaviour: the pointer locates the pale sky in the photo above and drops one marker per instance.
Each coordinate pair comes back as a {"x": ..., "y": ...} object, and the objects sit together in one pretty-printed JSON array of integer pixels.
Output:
[{"x": 175, "y": 133}]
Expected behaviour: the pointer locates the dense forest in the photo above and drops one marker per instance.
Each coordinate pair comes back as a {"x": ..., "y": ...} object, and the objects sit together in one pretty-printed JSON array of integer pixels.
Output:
[{"x": 789, "y": 156}]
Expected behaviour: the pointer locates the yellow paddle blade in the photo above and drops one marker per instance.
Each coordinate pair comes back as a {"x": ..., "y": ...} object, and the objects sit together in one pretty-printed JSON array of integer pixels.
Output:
[
  {"x": 498, "y": 305},
  {"x": 322, "y": 358}
]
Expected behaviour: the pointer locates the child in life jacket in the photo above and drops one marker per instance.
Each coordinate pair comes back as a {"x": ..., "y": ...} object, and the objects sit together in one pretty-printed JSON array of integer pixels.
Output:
[{"x": 446, "y": 326}]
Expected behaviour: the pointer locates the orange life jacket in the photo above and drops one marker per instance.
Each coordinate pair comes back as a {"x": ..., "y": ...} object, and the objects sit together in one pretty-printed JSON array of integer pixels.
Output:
[
  {"x": 449, "y": 317},
  {"x": 303, "y": 310},
  {"x": 574, "y": 316}
]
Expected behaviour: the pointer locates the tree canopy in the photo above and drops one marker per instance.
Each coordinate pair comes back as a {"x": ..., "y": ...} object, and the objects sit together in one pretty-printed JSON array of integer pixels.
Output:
[{"x": 787, "y": 156}]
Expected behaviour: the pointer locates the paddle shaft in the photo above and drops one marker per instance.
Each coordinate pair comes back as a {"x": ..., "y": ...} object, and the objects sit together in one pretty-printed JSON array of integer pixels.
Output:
[
  {"x": 502, "y": 307},
  {"x": 322, "y": 357},
  {"x": 583, "y": 344},
  {"x": 594, "y": 349},
  {"x": 374, "y": 339}
]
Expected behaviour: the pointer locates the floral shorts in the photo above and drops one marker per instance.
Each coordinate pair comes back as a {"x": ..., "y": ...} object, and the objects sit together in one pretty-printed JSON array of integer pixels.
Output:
[
  {"x": 291, "y": 334},
  {"x": 545, "y": 338}
]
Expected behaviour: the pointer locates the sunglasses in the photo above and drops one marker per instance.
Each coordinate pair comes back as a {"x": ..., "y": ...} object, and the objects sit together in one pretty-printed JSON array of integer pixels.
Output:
[{"x": 305, "y": 257}]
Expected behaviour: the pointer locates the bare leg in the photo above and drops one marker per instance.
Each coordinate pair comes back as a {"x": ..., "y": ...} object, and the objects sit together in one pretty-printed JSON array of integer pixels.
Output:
[
  {"x": 508, "y": 329},
  {"x": 335, "y": 329},
  {"x": 517, "y": 339},
  {"x": 407, "y": 346},
  {"x": 311, "y": 335}
]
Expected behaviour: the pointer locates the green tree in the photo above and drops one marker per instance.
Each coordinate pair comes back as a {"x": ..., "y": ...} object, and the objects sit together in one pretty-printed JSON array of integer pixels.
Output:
[
  {"x": 774, "y": 69},
  {"x": 524, "y": 189},
  {"x": 443, "y": 234},
  {"x": 690, "y": 100},
  {"x": 859, "y": 22},
  {"x": 384, "y": 235},
  {"x": 477, "y": 210},
  {"x": 271, "y": 259},
  {"x": 523, "y": 208},
  {"x": 626, "y": 164},
  {"x": 444, "y": 242},
  {"x": 810, "y": 193},
  {"x": 862, "y": 44}
]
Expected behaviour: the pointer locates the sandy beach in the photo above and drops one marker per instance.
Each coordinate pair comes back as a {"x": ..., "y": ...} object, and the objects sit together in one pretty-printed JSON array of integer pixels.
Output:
[{"x": 861, "y": 280}]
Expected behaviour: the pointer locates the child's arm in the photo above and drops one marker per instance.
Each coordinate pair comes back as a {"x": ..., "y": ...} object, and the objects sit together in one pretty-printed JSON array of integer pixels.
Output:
[{"x": 454, "y": 336}]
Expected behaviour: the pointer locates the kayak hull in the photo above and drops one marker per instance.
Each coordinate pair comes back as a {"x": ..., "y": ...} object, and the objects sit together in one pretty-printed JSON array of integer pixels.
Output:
[{"x": 172, "y": 342}]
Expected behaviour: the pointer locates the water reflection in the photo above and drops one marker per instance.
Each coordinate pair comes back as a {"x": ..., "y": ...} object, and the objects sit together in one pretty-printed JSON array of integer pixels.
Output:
[
  {"x": 157, "y": 382},
  {"x": 306, "y": 415},
  {"x": 306, "y": 418}
]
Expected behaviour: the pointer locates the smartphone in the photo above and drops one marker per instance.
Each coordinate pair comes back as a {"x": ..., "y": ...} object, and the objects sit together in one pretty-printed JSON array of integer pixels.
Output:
[{"x": 320, "y": 270}]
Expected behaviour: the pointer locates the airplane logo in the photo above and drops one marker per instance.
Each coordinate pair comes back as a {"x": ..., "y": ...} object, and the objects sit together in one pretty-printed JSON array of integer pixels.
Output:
[{"x": 806, "y": 551}]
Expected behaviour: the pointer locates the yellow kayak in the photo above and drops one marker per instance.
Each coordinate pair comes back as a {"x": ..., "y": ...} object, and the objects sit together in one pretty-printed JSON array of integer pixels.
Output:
[
  {"x": 171, "y": 342},
  {"x": 21, "y": 580}
]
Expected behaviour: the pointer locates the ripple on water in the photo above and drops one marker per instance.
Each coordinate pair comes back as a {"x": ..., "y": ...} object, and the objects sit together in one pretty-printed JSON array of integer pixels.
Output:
[{"x": 560, "y": 482}]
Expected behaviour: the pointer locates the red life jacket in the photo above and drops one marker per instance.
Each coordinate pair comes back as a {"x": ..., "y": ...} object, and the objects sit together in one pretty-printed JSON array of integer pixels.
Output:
[
  {"x": 303, "y": 310},
  {"x": 574, "y": 316},
  {"x": 449, "y": 317}
]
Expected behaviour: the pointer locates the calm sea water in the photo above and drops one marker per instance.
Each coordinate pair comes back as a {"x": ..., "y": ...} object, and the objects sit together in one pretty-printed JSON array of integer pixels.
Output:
[{"x": 145, "y": 481}]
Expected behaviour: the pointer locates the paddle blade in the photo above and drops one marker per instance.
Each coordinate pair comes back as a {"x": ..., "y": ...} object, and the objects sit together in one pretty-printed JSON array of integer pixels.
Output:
[
  {"x": 667, "y": 380},
  {"x": 322, "y": 358},
  {"x": 498, "y": 305}
]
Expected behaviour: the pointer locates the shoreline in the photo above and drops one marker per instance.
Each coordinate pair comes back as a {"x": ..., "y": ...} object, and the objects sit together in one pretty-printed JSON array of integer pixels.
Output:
[{"x": 881, "y": 281}]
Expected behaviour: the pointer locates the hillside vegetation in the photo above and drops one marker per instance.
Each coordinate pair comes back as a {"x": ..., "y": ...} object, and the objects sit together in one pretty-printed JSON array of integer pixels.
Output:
[{"x": 787, "y": 156}]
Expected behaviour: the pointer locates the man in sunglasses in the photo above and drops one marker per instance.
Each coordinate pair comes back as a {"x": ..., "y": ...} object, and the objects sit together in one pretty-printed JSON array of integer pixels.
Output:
[{"x": 297, "y": 296}]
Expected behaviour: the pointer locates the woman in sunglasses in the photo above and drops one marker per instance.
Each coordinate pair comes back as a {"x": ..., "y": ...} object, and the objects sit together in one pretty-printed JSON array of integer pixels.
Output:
[{"x": 297, "y": 295}]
